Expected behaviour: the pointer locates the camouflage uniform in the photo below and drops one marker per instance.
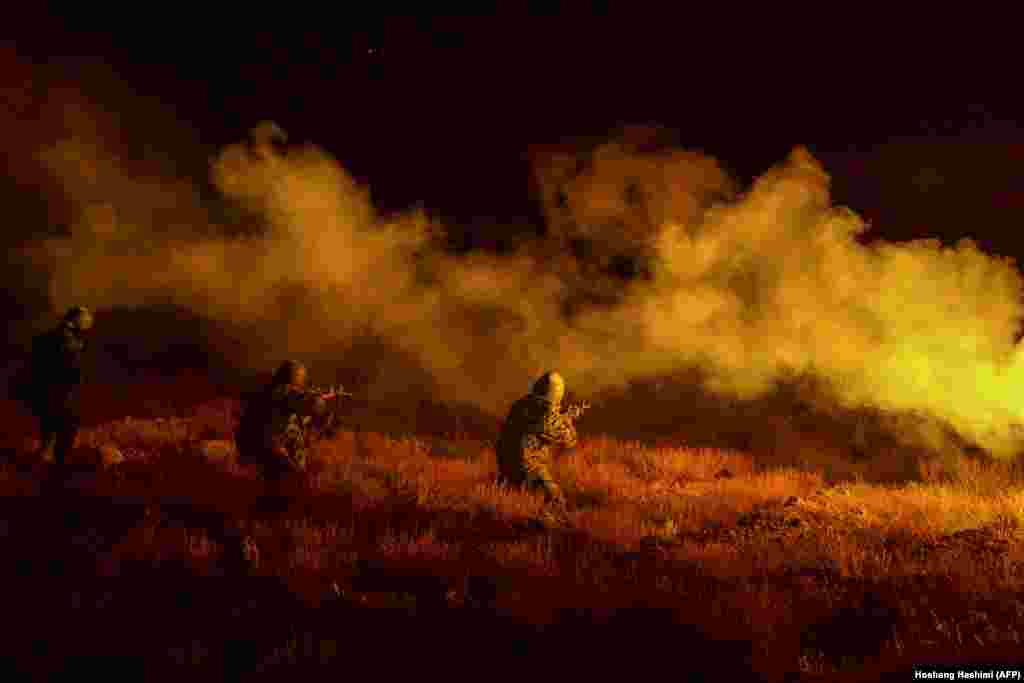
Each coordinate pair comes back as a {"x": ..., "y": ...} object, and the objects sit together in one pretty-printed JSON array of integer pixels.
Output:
[
  {"x": 534, "y": 427},
  {"x": 272, "y": 433},
  {"x": 50, "y": 388},
  {"x": 272, "y": 436}
]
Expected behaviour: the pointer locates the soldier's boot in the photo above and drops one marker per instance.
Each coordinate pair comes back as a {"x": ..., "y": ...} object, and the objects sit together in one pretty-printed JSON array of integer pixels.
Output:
[
  {"x": 553, "y": 494},
  {"x": 47, "y": 452},
  {"x": 241, "y": 555},
  {"x": 250, "y": 555},
  {"x": 554, "y": 513},
  {"x": 541, "y": 479},
  {"x": 241, "y": 558}
]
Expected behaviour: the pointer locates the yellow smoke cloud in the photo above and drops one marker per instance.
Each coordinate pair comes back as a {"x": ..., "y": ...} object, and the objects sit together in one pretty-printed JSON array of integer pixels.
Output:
[{"x": 750, "y": 287}]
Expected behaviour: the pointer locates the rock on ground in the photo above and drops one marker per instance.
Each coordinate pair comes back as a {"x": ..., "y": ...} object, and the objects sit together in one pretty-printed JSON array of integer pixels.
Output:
[
  {"x": 215, "y": 450},
  {"x": 108, "y": 455}
]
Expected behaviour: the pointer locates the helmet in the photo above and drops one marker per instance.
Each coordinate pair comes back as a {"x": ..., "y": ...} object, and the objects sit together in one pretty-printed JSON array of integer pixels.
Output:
[
  {"x": 78, "y": 318},
  {"x": 550, "y": 387},
  {"x": 290, "y": 372},
  {"x": 265, "y": 136}
]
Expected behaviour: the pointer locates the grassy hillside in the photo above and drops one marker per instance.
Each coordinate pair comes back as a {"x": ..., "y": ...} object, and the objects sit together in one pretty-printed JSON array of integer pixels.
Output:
[{"x": 401, "y": 552}]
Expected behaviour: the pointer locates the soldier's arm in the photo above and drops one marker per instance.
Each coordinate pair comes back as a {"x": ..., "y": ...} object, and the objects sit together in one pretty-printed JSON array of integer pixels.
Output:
[
  {"x": 562, "y": 431},
  {"x": 292, "y": 400},
  {"x": 571, "y": 437},
  {"x": 310, "y": 403}
]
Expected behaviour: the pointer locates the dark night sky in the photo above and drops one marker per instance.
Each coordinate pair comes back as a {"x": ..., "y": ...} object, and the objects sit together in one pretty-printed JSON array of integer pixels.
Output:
[{"x": 916, "y": 122}]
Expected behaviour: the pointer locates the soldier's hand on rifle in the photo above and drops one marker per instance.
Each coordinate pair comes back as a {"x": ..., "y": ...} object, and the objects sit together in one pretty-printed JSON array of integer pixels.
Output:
[
  {"x": 333, "y": 392},
  {"x": 575, "y": 410},
  {"x": 326, "y": 393}
]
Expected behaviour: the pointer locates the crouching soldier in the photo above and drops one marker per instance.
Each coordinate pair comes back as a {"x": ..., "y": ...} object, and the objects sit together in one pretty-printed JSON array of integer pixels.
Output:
[
  {"x": 534, "y": 428},
  {"x": 272, "y": 433}
]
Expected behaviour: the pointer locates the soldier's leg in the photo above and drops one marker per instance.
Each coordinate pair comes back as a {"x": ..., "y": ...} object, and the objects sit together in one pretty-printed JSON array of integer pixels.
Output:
[
  {"x": 240, "y": 554},
  {"x": 540, "y": 478},
  {"x": 513, "y": 476},
  {"x": 288, "y": 452},
  {"x": 552, "y": 491},
  {"x": 273, "y": 500},
  {"x": 271, "y": 474},
  {"x": 66, "y": 435},
  {"x": 508, "y": 477},
  {"x": 48, "y": 437},
  {"x": 509, "y": 461},
  {"x": 298, "y": 456},
  {"x": 232, "y": 534}
]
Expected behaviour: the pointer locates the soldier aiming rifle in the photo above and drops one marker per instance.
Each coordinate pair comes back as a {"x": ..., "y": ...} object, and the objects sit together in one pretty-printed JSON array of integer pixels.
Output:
[
  {"x": 327, "y": 425},
  {"x": 273, "y": 431},
  {"x": 536, "y": 426}
]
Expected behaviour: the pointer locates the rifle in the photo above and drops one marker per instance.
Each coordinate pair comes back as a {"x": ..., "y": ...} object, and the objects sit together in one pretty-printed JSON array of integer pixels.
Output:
[
  {"x": 329, "y": 424},
  {"x": 574, "y": 411}
]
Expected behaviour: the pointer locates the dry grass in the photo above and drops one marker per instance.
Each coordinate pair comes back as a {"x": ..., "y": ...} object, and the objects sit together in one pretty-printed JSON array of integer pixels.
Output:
[{"x": 763, "y": 550}]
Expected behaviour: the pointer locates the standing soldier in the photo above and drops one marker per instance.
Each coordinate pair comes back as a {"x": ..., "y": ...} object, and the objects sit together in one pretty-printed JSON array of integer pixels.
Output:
[
  {"x": 50, "y": 388},
  {"x": 535, "y": 426}
]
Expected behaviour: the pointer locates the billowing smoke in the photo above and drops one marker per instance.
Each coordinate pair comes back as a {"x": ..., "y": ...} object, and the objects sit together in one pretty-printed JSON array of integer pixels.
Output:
[{"x": 750, "y": 287}]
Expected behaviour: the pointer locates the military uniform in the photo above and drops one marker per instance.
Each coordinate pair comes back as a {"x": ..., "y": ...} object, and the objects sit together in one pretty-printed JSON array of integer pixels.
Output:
[
  {"x": 534, "y": 428},
  {"x": 52, "y": 384},
  {"x": 272, "y": 436},
  {"x": 272, "y": 432}
]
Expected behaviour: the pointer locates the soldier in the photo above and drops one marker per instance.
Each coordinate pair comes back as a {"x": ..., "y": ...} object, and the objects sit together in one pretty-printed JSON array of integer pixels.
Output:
[
  {"x": 51, "y": 386},
  {"x": 272, "y": 432},
  {"x": 272, "y": 435},
  {"x": 534, "y": 426}
]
